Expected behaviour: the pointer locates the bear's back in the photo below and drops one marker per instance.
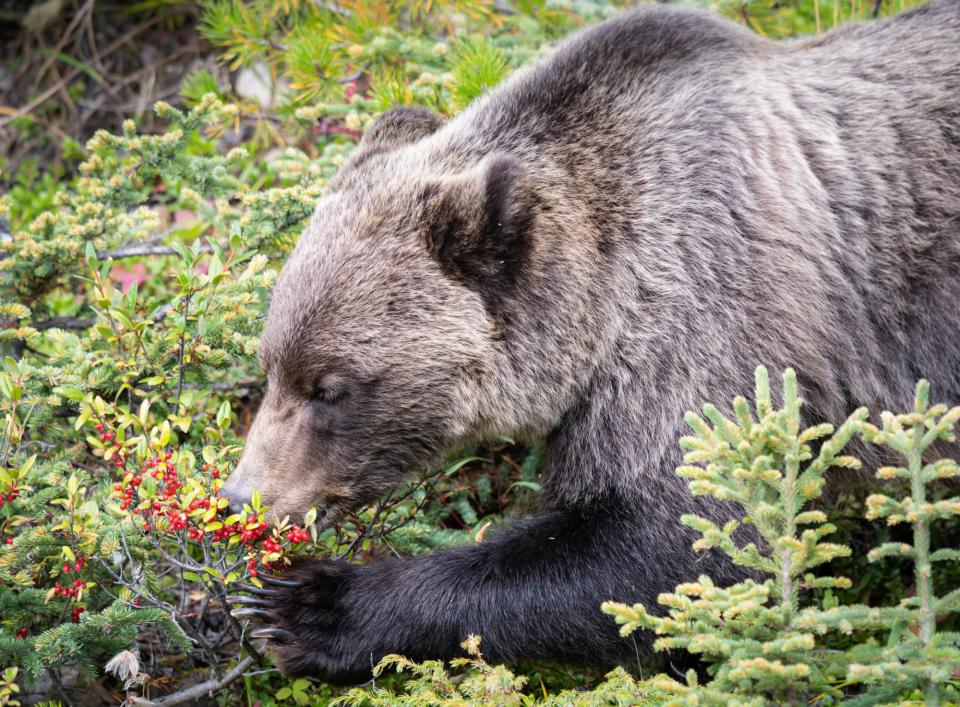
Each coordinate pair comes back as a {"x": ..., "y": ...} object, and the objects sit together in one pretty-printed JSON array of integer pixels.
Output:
[
  {"x": 708, "y": 156},
  {"x": 640, "y": 60}
]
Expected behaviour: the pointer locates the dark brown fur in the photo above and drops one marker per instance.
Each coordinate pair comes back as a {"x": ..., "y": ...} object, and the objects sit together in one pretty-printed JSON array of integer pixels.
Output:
[{"x": 605, "y": 241}]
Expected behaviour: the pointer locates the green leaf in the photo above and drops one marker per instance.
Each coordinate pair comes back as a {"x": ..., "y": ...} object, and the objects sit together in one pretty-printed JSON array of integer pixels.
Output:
[
  {"x": 456, "y": 466},
  {"x": 69, "y": 392},
  {"x": 528, "y": 485},
  {"x": 91, "y": 255},
  {"x": 223, "y": 415},
  {"x": 27, "y": 465}
]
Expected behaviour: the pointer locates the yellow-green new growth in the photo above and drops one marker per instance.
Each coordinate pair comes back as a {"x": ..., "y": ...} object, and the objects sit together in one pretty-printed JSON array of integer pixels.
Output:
[
  {"x": 921, "y": 659},
  {"x": 772, "y": 467},
  {"x": 767, "y": 642},
  {"x": 768, "y": 466}
]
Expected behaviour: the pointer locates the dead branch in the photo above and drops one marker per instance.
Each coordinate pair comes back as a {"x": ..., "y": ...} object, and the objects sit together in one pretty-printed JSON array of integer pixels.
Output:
[
  {"x": 207, "y": 688},
  {"x": 64, "y": 323}
]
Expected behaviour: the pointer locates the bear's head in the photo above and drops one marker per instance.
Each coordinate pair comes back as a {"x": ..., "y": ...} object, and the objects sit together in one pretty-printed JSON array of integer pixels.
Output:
[{"x": 388, "y": 336}]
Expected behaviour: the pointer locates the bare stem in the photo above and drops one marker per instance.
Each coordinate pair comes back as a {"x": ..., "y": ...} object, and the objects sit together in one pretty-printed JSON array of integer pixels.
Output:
[
  {"x": 921, "y": 546},
  {"x": 208, "y": 687}
]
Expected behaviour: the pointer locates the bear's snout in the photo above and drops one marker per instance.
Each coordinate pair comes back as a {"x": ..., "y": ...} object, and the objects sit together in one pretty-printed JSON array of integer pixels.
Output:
[{"x": 235, "y": 494}]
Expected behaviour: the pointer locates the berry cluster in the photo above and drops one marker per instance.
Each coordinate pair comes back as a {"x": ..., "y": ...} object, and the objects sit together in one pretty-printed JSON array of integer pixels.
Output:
[
  {"x": 10, "y": 495},
  {"x": 162, "y": 469},
  {"x": 22, "y": 633},
  {"x": 226, "y": 532},
  {"x": 252, "y": 530},
  {"x": 127, "y": 492},
  {"x": 186, "y": 506},
  {"x": 73, "y": 591},
  {"x": 297, "y": 535},
  {"x": 76, "y": 589},
  {"x": 108, "y": 436},
  {"x": 78, "y": 565}
]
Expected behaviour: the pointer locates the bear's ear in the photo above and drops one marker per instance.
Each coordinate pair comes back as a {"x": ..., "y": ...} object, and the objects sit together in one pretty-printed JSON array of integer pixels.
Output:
[
  {"x": 479, "y": 225},
  {"x": 397, "y": 127}
]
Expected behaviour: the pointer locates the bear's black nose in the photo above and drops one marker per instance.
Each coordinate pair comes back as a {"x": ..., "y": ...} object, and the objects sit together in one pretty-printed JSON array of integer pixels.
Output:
[{"x": 235, "y": 494}]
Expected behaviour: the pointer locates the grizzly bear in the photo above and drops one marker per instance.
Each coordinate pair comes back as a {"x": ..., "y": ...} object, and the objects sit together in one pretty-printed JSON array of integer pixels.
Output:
[{"x": 608, "y": 239}]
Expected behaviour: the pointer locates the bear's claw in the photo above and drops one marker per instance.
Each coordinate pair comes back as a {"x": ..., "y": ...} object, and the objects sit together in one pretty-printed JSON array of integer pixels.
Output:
[
  {"x": 251, "y": 613},
  {"x": 259, "y": 591},
  {"x": 259, "y": 605},
  {"x": 272, "y": 634},
  {"x": 252, "y": 601},
  {"x": 305, "y": 618}
]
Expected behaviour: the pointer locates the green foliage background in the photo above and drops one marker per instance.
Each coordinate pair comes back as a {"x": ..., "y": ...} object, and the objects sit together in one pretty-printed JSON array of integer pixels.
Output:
[{"x": 134, "y": 273}]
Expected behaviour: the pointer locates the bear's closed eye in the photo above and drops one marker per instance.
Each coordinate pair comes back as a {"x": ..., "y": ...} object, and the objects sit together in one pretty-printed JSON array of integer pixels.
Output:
[{"x": 330, "y": 395}]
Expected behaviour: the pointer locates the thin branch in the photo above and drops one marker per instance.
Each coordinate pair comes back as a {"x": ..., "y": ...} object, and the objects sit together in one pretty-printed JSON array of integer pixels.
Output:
[
  {"x": 207, "y": 688},
  {"x": 64, "y": 323},
  {"x": 183, "y": 343},
  {"x": 353, "y": 77},
  {"x": 137, "y": 250},
  {"x": 255, "y": 383}
]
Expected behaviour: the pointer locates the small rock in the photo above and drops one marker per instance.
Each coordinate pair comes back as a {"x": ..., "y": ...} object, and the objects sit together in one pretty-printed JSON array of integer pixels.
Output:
[{"x": 256, "y": 83}]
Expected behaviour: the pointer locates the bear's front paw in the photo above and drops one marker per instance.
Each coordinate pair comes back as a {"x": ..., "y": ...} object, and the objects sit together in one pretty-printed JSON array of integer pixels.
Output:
[{"x": 307, "y": 622}]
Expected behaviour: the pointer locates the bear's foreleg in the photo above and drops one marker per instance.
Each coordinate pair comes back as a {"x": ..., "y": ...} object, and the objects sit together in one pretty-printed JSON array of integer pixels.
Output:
[{"x": 532, "y": 591}]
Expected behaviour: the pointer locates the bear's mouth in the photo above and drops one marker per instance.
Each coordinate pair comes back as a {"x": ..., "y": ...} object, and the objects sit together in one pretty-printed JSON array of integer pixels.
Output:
[
  {"x": 323, "y": 512},
  {"x": 330, "y": 511}
]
